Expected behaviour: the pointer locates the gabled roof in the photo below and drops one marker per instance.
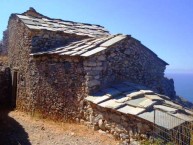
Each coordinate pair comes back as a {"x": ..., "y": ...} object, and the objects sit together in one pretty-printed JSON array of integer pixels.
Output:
[
  {"x": 99, "y": 38},
  {"x": 90, "y": 46},
  {"x": 137, "y": 100},
  {"x": 34, "y": 20},
  {"x": 86, "y": 47}
]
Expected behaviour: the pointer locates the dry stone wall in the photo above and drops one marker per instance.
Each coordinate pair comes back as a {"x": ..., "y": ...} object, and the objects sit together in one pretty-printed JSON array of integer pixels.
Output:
[
  {"x": 121, "y": 126},
  {"x": 50, "y": 86},
  {"x": 44, "y": 40},
  {"x": 18, "y": 58},
  {"x": 57, "y": 83},
  {"x": 127, "y": 60},
  {"x": 57, "y": 86}
]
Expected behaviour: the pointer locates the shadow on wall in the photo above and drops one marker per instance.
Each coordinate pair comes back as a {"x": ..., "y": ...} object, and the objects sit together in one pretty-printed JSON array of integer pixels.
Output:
[
  {"x": 11, "y": 132},
  {"x": 5, "y": 87}
]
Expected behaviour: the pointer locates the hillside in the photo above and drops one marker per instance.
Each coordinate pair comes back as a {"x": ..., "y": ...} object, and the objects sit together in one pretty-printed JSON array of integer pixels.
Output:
[{"x": 19, "y": 128}]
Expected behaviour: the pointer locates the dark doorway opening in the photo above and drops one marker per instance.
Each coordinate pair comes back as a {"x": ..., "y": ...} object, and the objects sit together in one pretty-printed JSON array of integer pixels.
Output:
[{"x": 14, "y": 89}]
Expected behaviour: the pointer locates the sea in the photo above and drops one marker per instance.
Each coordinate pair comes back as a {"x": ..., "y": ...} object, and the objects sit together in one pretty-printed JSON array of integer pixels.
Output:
[{"x": 183, "y": 83}]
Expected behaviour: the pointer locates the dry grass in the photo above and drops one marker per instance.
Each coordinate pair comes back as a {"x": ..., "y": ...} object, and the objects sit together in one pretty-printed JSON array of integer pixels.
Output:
[{"x": 58, "y": 128}]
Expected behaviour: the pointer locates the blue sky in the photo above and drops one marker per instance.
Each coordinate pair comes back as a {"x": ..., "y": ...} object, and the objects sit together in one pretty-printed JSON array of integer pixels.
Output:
[{"x": 165, "y": 26}]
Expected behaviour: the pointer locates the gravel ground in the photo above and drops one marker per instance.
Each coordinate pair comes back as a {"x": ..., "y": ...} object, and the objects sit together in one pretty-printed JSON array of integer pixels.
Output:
[{"x": 18, "y": 128}]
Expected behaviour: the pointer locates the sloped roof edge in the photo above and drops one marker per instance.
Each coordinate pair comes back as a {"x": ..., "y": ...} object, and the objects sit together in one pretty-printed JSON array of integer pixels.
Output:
[
  {"x": 150, "y": 51},
  {"x": 137, "y": 100},
  {"x": 36, "y": 21},
  {"x": 91, "y": 46},
  {"x": 86, "y": 47}
]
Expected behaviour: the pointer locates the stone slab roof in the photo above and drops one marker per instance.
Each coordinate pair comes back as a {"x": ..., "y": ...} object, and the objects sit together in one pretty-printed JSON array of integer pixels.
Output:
[
  {"x": 70, "y": 27},
  {"x": 99, "y": 38},
  {"x": 86, "y": 47},
  {"x": 161, "y": 119},
  {"x": 134, "y": 99}
]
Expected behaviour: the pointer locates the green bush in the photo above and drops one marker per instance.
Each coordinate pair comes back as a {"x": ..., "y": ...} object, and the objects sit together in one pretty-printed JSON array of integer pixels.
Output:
[{"x": 156, "y": 142}]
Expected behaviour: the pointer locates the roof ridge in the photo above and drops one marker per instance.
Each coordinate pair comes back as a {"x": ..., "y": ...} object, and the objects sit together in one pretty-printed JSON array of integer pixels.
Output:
[{"x": 32, "y": 13}]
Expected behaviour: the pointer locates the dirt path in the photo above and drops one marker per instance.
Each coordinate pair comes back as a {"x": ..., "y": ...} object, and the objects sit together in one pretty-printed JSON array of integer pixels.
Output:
[{"x": 17, "y": 128}]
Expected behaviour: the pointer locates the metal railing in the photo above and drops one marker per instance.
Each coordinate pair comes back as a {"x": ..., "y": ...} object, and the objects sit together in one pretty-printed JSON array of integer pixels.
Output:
[{"x": 171, "y": 129}]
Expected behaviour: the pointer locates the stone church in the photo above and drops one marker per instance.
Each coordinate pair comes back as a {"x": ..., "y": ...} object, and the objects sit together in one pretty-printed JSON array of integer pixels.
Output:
[{"x": 69, "y": 71}]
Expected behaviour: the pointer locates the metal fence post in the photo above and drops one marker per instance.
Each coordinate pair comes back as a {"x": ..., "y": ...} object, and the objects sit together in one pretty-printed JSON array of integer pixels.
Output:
[{"x": 154, "y": 127}]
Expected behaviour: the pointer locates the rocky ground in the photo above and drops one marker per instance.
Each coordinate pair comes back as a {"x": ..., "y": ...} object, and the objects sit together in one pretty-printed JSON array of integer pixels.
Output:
[{"x": 18, "y": 128}]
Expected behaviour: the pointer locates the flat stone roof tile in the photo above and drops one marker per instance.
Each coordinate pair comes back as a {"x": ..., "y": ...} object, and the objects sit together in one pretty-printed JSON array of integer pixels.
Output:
[
  {"x": 147, "y": 103},
  {"x": 131, "y": 110},
  {"x": 80, "y": 28},
  {"x": 123, "y": 99},
  {"x": 148, "y": 92},
  {"x": 101, "y": 99},
  {"x": 143, "y": 104},
  {"x": 154, "y": 97},
  {"x": 184, "y": 116},
  {"x": 113, "y": 41},
  {"x": 111, "y": 91},
  {"x": 94, "y": 96},
  {"x": 83, "y": 48},
  {"x": 112, "y": 104},
  {"x": 134, "y": 95},
  {"x": 172, "y": 104},
  {"x": 91, "y": 52},
  {"x": 165, "y": 108},
  {"x": 135, "y": 102}
]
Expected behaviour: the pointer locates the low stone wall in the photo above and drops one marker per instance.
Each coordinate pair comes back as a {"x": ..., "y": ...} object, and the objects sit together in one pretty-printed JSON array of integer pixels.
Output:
[
  {"x": 5, "y": 87},
  {"x": 121, "y": 126}
]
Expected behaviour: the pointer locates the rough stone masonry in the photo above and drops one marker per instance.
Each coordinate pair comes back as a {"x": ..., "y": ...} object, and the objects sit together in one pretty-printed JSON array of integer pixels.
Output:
[{"x": 59, "y": 63}]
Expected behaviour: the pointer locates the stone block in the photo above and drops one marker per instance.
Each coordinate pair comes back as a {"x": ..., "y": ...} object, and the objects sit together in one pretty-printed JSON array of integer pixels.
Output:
[
  {"x": 95, "y": 127},
  {"x": 98, "y": 68},
  {"x": 101, "y": 124},
  {"x": 92, "y": 83},
  {"x": 116, "y": 135},
  {"x": 102, "y": 132},
  {"x": 124, "y": 136},
  {"x": 81, "y": 121},
  {"x": 101, "y": 58},
  {"x": 99, "y": 63},
  {"x": 91, "y": 63},
  {"x": 87, "y": 68},
  {"x": 108, "y": 126}
]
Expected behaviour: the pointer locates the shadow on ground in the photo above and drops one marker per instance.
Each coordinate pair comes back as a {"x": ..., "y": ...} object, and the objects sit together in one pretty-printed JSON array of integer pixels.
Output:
[{"x": 11, "y": 132}]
